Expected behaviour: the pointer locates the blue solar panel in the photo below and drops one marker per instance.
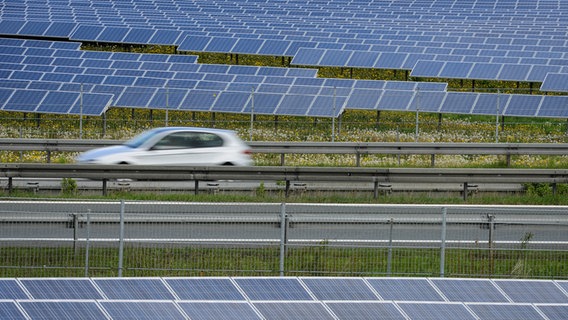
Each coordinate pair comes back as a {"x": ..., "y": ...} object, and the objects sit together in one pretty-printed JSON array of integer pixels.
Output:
[
  {"x": 554, "y": 312},
  {"x": 514, "y": 72},
  {"x": 504, "y": 311},
  {"x": 400, "y": 289},
  {"x": 86, "y": 32},
  {"x": 134, "y": 289},
  {"x": 397, "y": 100},
  {"x": 459, "y": 102},
  {"x": 219, "y": 310},
  {"x": 389, "y": 60},
  {"x": 427, "y": 69},
  {"x": 295, "y": 104},
  {"x": 136, "y": 97},
  {"x": 523, "y": 105},
  {"x": 9, "y": 310},
  {"x": 142, "y": 310},
  {"x": 458, "y": 70},
  {"x": 264, "y": 103},
  {"x": 63, "y": 310},
  {"x": 24, "y": 100},
  {"x": 555, "y": 82},
  {"x": 429, "y": 101},
  {"x": 10, "y": 27},
  {"x": 554, "y": 107},
  {"x": 440, "y": 311},
  {"x": 272, "y": 289},
  {"x": 204, "y": 289},
  {"x": 11, "y": 290},
  {"x": 34, "y": 28},
  {"x": 92, "y": 104},
  {"x": 293, "y": 310},
  {"x": 485, "y": 71},
  {"x": 58, "y": 102},
  {"x": 69, "y": 289},
  {"x": 141, "y": 36},
  {"x": 59, "y": 29},
  {"x": 532, "y": 291},
  {"x": 339, "y": 289},
  {"x": 199, "y": 100},
  {"x": 327, "y": 106},
  {"x": 307, "y": 56},
  {"x": 488, "y": 103},
  {"x": 364, "y": 99},
  {"x": 336, "y": 58},
  {"x": 464, "y": 290},
  {"x": 365, "y": 310}
]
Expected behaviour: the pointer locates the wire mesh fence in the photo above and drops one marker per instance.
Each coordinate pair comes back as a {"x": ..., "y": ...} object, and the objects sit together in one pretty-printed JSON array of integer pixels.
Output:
[{"x": 57, "y": 238}]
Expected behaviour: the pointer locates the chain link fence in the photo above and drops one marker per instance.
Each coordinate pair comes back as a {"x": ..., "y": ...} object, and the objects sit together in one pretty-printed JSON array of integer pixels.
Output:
[{"x": 119, "y": 238}]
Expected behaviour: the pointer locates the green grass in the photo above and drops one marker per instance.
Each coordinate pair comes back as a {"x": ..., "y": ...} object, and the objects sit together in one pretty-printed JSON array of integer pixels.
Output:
[{"x": 322, "y": 260}]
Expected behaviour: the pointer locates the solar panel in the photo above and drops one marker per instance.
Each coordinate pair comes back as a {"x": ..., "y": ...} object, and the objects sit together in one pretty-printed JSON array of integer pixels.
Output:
[
  {"x": 402, "y": 289},
  {"x": 365, "y": 310},
  {"x": 554, "y": 312},
  {"x": 219, "y": 310},
  {"x": 466, "y": 290},
  {"x": 272, "y": 289},
  {"x": 555, "y": 82},
  {"x": 11, "y": 290},
  {"x": 293, "y": 310},
  {"x": 339, "y": 289},
  {"x": 56, "y": 289},
  {"x": 433, "y": 310},
  {"x": 142, "y": 310},
  {"x": 523, "y": 105},
  {"x": 133, "y": 289},
  {"x": 505, "y": 311},
  {"x": 204, "y": 289},
  {"x": 9, "y": 310},
  {"x": 70, "y": 310},
  {"x": 554, "y": 107},
  {"x": 532, "y": 291}
]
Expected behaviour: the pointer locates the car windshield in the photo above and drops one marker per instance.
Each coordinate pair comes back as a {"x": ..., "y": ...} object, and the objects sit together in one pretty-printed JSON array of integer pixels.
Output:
[{"x": 138, "y": 140}]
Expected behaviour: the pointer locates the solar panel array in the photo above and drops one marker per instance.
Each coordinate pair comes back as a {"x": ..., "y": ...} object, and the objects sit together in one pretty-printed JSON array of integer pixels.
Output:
[
  {"x": 496, "y": 40},
  {"x": 58, "y": 77},
  {"x": 282, "y": 298}
]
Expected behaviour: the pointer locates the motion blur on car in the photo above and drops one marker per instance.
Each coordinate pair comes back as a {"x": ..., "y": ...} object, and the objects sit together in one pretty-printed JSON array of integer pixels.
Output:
[{"x": 173, "y": 146}]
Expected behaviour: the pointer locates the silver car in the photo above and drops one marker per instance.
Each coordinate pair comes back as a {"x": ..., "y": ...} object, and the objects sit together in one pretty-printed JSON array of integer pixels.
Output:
[{"x": 172, "y": 146}]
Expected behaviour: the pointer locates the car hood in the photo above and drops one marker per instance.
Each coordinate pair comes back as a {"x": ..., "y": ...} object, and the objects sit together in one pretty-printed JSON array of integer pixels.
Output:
[{"x": 103, "y": 152}]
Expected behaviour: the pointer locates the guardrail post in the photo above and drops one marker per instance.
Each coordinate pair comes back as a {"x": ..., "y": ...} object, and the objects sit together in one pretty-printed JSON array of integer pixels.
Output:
[
  {"x": 283, "y": 237},
  {"x": 282, "y": 161},
  {"x": 443, "y": 243},
  {"x": 48, "y": 156},
  {"x": 465, "y": 190},
  {"x": 121, "y": 240},
  {"x": 287, "y": 191},
  {"x": 375, "y": 188},
  {"x": 432, "y": 160},
  {"x": 10, "y": 185},
  {"x": 357, "y": 159},
  {"x": 196, "y": 187}
]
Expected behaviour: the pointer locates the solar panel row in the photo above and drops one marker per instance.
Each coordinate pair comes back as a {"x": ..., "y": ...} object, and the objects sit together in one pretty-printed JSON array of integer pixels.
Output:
[
  {"x": 282, "y": 298},
  {"x": 168, "y": 82},
  {"x": 510, "y": 37}
]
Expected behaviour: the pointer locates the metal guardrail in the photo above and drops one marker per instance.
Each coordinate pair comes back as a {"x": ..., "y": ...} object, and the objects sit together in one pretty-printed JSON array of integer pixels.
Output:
[
  {"x": 355, "y": 148},
  {"x": 375, "y": 176}
]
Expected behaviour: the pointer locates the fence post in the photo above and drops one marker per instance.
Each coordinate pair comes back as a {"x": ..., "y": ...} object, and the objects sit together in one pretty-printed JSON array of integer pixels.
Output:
[
  {"x": 389, "y": 257},
  {"x": 87, "y": 243},
  {"x": 121, "y": 240},
  {"x": 75, "y": 221},
  {"x": 491, "y": 224},
  {"x": 443, "y": 243},
  {"x": 283, "y": 236}
]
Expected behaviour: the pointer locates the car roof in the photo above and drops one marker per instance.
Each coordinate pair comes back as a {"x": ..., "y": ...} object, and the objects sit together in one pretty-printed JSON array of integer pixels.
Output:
[{"x": 196, "y": 129}]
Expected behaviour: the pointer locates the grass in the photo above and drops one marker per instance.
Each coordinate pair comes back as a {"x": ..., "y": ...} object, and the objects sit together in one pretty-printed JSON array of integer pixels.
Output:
[{"x": 322, "y": 260}]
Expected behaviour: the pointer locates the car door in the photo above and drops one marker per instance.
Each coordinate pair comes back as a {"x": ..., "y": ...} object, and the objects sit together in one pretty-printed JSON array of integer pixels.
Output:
[{"x": 184, "y": 148}]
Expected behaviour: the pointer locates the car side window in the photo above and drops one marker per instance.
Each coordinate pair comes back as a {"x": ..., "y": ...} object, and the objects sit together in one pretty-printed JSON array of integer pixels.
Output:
[{"x": 186, "y": 140}]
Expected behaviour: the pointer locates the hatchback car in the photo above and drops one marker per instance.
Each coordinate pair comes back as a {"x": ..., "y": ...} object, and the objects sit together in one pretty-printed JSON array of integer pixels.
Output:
[{"x": 175, "y": 146}]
